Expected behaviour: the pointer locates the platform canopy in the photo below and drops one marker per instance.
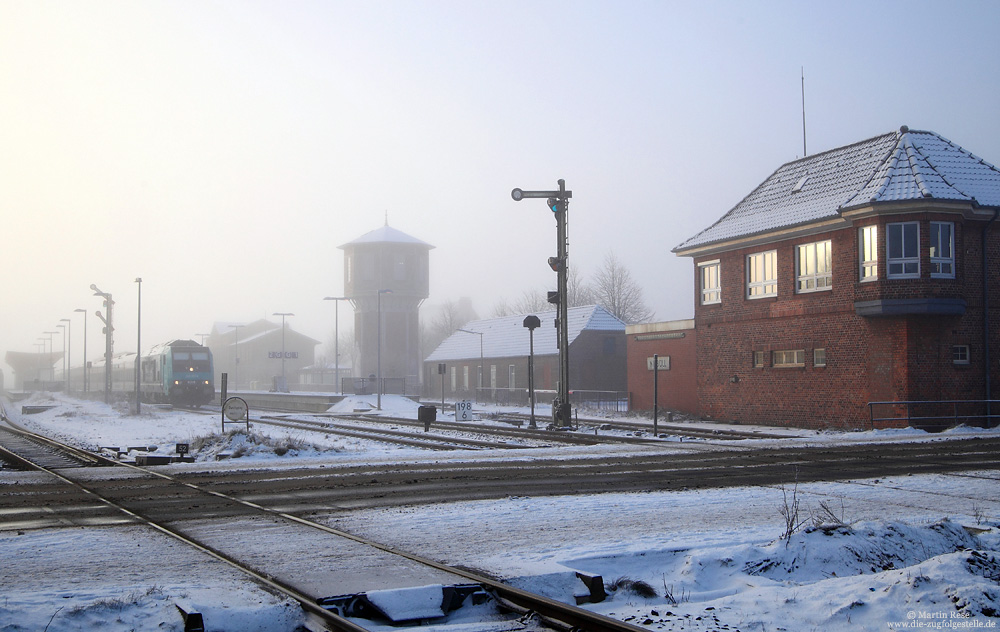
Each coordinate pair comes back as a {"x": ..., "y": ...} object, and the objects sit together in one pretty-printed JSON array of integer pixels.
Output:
[{"x": 28, "y": 365}]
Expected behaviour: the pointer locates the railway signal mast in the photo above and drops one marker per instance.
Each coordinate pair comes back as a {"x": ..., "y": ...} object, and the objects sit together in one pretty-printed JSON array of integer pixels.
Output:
[
  {"x": 558, "y": 203},
  {"x": 108, "y": 339}
]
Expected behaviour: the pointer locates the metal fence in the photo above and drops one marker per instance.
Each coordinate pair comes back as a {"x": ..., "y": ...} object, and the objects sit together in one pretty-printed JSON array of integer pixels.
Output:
[
  {"x": 935, "y": 415},
  {"x": 612, "y": 401}
]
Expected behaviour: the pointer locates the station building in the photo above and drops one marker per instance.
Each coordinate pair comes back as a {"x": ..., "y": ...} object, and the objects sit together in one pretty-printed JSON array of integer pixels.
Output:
[
  {"x": 254, "y": 354},
  {"x": 494, "y": 353},
  {"x": 867, "y": 273}
]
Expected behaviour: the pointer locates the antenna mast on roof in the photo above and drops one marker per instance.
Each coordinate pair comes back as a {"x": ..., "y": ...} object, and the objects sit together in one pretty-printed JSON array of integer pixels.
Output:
[{"x": 804, "y": 152}]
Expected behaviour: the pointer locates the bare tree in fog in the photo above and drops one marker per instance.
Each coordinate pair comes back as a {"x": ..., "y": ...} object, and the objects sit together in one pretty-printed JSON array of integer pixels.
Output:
[
  {"x": 530, "y": 301},
  {"x": 616, "y": 291},
  {"x": 579, "y": 292},
  {"x": 449, "y": 317}
]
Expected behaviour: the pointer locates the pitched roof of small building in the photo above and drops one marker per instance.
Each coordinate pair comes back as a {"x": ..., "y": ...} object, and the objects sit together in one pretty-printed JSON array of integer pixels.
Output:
[
  {"x": 507, "y": 337},
  {"x": 900, "y": 166}
]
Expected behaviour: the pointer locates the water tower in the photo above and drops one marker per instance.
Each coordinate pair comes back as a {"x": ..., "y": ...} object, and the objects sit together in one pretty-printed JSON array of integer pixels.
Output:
[{"x": 386, "y": 274}]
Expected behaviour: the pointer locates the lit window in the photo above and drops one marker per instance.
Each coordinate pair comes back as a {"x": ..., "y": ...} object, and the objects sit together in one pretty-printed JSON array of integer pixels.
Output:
[
  {"x": 903, "y": 250},
  {"x": 711, "y": 291},
  {"x": 868, "y": 250},
  {"x": 762, "y": 274},
  {"x": 789, "y": 358},
  {"x": 943, "y": 250},
  {"x": 819, "y": 357},
  {"x": 815, "y": 267},
  {"x": 960, "y": 354}
]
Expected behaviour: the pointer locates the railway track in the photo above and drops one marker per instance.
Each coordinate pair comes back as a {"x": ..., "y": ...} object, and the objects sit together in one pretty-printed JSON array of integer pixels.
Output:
[
  {"x": 371, "y": 427},
  {"x": 662, "y": 429},
  {"x": 139, "y": 495}
]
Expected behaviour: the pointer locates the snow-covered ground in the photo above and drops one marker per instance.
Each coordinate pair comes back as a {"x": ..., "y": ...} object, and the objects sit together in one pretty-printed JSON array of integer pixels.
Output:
[{"x": 912, "y": 552}]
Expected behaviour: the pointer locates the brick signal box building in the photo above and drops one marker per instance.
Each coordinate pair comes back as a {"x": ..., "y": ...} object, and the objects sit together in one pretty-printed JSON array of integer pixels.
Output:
[{"x": 865, "y": 273}]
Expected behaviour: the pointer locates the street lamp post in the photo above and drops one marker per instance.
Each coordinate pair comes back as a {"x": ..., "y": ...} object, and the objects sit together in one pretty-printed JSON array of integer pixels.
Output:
[
  {"x": 236, "y": 352},
  {"x": 480, "y": 334},
  {"x": 138, "y": 349},
  {"x": 38, "y": 369},
  {"x": 336, "y": 338},
  {"x": 52, "y": 370},
  {"x": 108, "y": 338},
  {"x": 284, "y": 382},
  {"x": 378, "y": 363},
  {"x": 84, "y": 312},
  {"x": 532, "y": 323},
  {"x": 68, "y": 364}
]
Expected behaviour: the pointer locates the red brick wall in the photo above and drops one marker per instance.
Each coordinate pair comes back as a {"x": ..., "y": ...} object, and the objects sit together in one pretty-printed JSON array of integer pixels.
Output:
[
  {"x": 868, "y": 358},
  {"x": 677, "y": 387}
]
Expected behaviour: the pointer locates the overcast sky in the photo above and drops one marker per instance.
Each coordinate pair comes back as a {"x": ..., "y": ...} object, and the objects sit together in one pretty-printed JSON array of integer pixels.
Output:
[{"x": 221, "y": 151}]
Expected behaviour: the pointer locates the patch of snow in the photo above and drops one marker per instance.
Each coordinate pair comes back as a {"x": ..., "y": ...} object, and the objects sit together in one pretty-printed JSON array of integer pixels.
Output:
[{"x": 910, "y": 549}]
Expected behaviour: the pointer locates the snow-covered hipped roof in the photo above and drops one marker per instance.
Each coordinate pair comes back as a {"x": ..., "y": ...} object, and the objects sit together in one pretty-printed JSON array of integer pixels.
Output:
[
  {"x": 896, "y": 167},
  {"x": 386, "y": 234},
  {"x": 507, "y": 337}
]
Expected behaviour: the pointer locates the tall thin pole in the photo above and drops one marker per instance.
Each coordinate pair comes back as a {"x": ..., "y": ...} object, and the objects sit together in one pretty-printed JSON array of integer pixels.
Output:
[
  {"x": 656, "y": 390},
  {"x": 336, "y": 338},
  {"x": 84, "y": 312},
  {"x": 378, "y": 353},
  {"x": 138, "y": 350},
  {"x": 531, "y": 374},
  {"x": 63, "y": 327},
  {"x": 236, "y": 352},
  {"x": 69, "y": 354},
  {"x": 109, "y": 329},
  {"x": 804, "y": 152},
  {"x": 284, "y": 381},
  {"x": 562, "y": 234}
]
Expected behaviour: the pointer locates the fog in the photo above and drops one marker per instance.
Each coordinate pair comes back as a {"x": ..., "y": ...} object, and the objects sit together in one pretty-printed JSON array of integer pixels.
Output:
[{"x": 222, "y": 151}]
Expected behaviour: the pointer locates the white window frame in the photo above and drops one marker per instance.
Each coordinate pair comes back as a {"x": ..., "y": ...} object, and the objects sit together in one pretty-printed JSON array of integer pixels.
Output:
[
  {"x": 762, "y": 274},
  {"x": 759, "y": 359},
  {"x": 788, "y": 358},
  {"x": 907, "y": 264},
  {"x": 709, "y": 282},
  {"x": 817, "y": 258},
  {"x": 510, "y": 375},
  {"x": 960, "y": 354},
  {"x": 942, "y": 267},
  {"x": 454, "y": 375},
  {"x": 819, "y": 356},
  {"x": 868, "y": 253},
  {"x": 465, "y": 377}
]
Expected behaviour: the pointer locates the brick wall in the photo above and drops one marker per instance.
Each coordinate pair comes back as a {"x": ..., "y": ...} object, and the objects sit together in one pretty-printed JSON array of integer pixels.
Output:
[
  {"x": 867, "y": 358},
  {"x": 677, "y": 387}
]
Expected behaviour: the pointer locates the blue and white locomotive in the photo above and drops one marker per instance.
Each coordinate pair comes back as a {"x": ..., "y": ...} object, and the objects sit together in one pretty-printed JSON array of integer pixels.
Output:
[{"x": 178, "y": 372}]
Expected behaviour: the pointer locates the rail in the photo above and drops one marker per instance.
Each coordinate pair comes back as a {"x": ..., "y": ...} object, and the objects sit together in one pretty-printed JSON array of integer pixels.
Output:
[
  {"x": 556, "y": 614},
  {"x": 936, "y": 415}
]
